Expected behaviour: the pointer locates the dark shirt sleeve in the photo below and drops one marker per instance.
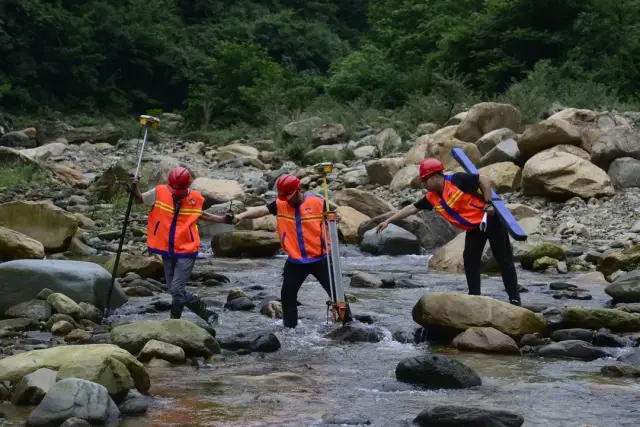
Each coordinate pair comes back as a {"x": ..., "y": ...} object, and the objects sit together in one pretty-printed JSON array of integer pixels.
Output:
[
  {"x": 467, "y": 182},
  {"x": 423, "y": 204},
  {"x": 273, "y": 208}
]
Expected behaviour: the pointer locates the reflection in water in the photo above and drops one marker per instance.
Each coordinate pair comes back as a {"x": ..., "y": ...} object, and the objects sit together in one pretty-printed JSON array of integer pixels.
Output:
[{"x": 311, "y": 377}]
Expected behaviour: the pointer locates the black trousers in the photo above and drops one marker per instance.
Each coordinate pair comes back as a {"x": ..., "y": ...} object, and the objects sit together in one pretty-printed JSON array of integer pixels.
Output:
[
  {"x": 498, "y": 236},
  {"x": 292, "y": 278}
]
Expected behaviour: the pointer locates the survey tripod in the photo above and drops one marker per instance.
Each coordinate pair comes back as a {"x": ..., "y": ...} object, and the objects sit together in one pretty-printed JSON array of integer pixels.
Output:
[
  {"x": 338, "y": 305},
  {"x": 146, "y": 122}
]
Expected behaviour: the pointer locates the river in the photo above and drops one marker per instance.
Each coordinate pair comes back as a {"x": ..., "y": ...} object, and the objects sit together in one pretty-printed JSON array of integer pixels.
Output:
[{"x": 311, "y": 377}]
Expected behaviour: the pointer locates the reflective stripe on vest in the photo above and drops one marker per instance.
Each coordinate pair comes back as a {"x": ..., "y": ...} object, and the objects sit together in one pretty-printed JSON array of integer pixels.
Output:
[
  {"x": 173, "y": 230},
  {"x": 463, "y": 210},
  {"x": 300, "y": 229}
]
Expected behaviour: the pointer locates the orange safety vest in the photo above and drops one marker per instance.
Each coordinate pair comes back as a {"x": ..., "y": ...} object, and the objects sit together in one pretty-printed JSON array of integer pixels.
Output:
[
  {"x": 300, "y": 229},
  {"x": 461, "y": 209},
  {"x": 172, "y": 230}
]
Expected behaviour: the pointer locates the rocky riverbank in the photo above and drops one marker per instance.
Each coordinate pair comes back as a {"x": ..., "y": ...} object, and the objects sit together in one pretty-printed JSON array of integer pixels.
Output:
[{"x": 568, "y": 179}]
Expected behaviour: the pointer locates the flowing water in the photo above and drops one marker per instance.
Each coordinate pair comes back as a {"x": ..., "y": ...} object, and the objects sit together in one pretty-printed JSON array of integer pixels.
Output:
[{"x": 311, "y": 378}]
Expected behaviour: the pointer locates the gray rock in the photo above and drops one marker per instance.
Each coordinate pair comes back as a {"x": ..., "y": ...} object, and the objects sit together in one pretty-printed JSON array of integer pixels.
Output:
[
  {"x": 506, "y": 151},
  {"x": 365, "y": 280},
  {"x": 17, "y": 139},
  {"x": 585, "y": 335},
  {"x": 622, "y": 370},
  {"x": 432, "y": 230},
  {"x": 463, "y": 416},
  {"x": 437, "y": 372},
  {"x": 240, "y": 304},
  {"x": 81, "y": 281},
  {"x": 259, "y": 342},
  {"x": 134, "y": 404},
  {"x": 625, "y": 288},
  {"x": 573, "y": 349},
  {"x": 391, "y": 241},
  {"x": 33, "y": 387},
  {"x": 625, "y": 172},
  {"x": 19, "y": 325},
  {"x": 90, "y": 312},
  {"x": 33, "y": 309},
  {"x": 73, "y": 397},
  {"x": 356, "y": 333}
]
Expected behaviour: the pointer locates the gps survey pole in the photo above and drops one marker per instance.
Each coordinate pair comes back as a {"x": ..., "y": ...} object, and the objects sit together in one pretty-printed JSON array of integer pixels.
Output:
[
  {"x": 338, "y": 304},
  {"x": 146, "y": 122}
]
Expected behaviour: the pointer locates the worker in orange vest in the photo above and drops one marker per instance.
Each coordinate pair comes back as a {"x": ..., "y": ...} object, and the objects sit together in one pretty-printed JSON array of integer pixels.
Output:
[
  {"x": 462, "y": 199},
  {"x": 299, "y": 225},
  {"x": 172, "y": 232}
]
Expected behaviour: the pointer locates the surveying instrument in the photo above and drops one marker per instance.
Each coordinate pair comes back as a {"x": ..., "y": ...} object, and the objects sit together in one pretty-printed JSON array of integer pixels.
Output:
[
  {"x": 338, "y": 305},
  {"x": 146, "y": 122}
]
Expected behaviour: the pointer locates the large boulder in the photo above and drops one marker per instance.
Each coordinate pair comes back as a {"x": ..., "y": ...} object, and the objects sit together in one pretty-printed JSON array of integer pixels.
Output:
[
  {"x": 15, "y": 245},
  {"x": 439, "y": 145},
  {"x": 625, "y": 172},
  {"x": 564, "y": 175},
  {"x": 22, "y": 280},
  {"x": 77, "y": 398},
  {"x": 382, "y": 171},
  {"x": 42, "y": 221},
  {"x": 363, "y": 201},
  {"x": 492, "y": 139},
  {"x": 431, "y": 229},
  {"x": 505, "y": 177},
  {"x": 217, "y": 191},
  {"x": 506, "y": 151},
  {"x": 14, "y": 368},
  {"x": 461, "y": 312},
  {"x": 194, "y": 340},
  {"x": 625, "y": 260},
  {"x": 148, "y": 267},
  {"x": 33, "y": 387},
  {"x": 485, "y": 117},
  {"x": 349, "y": 222},
  {"x": 391, "y": 241},
  {"x": 596, "y": 318},
  {"x": 101, "y": 369},
  {"x": 625, "y": 288},
  {"x": 251, "y": 244},
  {"x": 621, "y": 141},
  {"x": 547, "y": 134},
  {"x": 408, "y": 177}
]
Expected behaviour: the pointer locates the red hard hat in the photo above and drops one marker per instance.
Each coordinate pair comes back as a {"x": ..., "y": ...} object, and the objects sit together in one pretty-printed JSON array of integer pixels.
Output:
[
  {"x": 287, "y": 186},
  {"x": 430, "y": 166},
  {"x": 179, "y": 181}
]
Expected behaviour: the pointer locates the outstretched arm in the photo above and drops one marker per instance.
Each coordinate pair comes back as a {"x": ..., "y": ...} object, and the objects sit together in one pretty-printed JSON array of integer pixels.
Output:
[
  {"x": 206, "y": 216},
  {"x": 252, "y": 213},
  {"x": 401, "y": 214}
]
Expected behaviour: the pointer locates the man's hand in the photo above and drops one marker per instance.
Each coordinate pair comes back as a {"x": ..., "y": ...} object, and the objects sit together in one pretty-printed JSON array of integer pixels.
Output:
[
  {"x": 381, "y": 227},
  {"x": 236, "y": 219},
  {"x": 134, "y": 179},
  {"x": 490, "y": 210}
]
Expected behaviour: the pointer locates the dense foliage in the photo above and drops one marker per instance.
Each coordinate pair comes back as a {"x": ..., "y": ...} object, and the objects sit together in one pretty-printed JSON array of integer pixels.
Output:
[{"x": 231, "y": 61}]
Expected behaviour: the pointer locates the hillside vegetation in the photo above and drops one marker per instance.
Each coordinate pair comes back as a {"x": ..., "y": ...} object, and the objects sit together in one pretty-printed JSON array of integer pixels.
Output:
[{"x": 243, "y": 64}]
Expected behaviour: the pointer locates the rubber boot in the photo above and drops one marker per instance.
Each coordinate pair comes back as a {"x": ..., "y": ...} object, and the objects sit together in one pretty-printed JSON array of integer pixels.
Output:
[
  {"x": 176, "y": 311},
  {"x": 199, "y": 308}
]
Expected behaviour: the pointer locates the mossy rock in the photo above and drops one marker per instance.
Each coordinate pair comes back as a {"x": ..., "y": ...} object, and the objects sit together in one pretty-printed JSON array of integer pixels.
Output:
[
  {"x": 540, "y": 251},
  {"x": 625, "y": 260}
]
